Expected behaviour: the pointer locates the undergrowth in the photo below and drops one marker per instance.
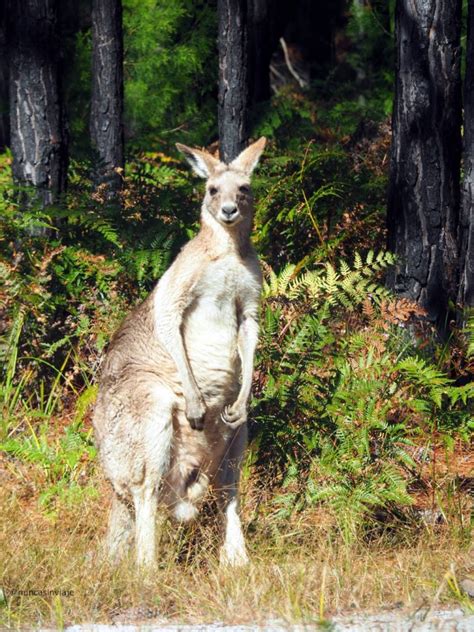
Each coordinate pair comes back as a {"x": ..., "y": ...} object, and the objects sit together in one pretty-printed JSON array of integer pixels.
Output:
[
  {"x": 300, "y": 571},
  {"x": 360, "y": 418},
  {"x": 343, "y": 383}
]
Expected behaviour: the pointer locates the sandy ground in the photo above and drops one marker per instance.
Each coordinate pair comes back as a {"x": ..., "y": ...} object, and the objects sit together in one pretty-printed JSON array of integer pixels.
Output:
[{"x": 421, "y": 621}]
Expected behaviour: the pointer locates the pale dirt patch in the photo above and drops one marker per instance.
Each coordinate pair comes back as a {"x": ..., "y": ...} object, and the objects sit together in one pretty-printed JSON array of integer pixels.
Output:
[{"x": 421, "y": 621}]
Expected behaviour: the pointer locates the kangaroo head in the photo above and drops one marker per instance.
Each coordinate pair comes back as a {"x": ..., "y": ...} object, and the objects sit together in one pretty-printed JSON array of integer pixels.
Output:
[{"x": 228, "y": 196}]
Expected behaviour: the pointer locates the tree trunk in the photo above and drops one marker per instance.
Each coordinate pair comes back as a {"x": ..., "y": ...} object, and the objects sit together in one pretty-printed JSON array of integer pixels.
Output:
[
  {"x": 106, "y": 123},
  {"x": 359, "y": 8},
  {"x": 36, "y": 121},
  {"x": 466, "y": 228},
  {"x": 313, "y": 29},
  {"x": 261, "y": 47},
  {"x": 4, "y": 113},
  {"x": 423, "y": 204},
  {"x": 267, "y": 21},
  {"x": 233, "y": 95}
]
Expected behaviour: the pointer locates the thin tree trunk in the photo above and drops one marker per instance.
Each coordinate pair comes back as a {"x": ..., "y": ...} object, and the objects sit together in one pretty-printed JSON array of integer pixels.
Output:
[
  {"x": 426, "y": 146},
  {"x": 36, "y": 120},
  {"x": 313, "y": 29},
  {"x": 359, "y": 6},
  {"x": 106, "y": 123},
  {"x": 466, "y": 228},
  {"x": 261, "y": 47},
  {"x": 4, "y": 112},
  {"x": 233, "y": 95}
]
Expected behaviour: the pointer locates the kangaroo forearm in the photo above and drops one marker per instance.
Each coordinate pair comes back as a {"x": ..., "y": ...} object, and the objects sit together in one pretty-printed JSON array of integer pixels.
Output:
[
  {"x": 178, "y": 353},
  {"x": 195, "y": 407},
  {"x": 186, "y": 376},
  {"x": 170, "y": 302},
  {"x": 169, "y": 335},
  {"x": 236, "y": 414},
  {"x": 247, "y": 342}
]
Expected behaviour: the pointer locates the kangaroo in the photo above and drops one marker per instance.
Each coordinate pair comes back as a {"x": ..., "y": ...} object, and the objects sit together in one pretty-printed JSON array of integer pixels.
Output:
[{"x": 174, "y": 388}]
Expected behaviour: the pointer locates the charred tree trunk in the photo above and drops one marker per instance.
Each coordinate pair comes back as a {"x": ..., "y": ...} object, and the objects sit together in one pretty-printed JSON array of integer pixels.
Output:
[
  {"x": 233, "y": 98},
  {"x": 36, "y": 120},
  {"x": 4, "y": 113},
  {"x": 261, "y": 47},
  {"x": 466, "y": 228},
  {"x": 313, "y": 29},
  {"x": 426, "y": 147},
  {"x": 106, "y": 123},
  {"x": 267, "y": 21}
]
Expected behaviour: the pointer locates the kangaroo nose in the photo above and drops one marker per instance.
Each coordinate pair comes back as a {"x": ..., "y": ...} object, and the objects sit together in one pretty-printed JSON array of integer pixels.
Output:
[{"x": 229, "y": 209}]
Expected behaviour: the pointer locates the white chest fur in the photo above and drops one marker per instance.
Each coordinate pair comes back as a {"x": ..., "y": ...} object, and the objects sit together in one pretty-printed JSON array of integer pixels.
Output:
[
  {"x": 218, "y": 287},
  {"x": 225, "y": 289}
]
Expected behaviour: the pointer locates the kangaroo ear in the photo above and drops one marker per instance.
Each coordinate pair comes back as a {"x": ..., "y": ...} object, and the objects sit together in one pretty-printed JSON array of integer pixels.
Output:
[
  {"x": 203, "y": 164},
  {"x": 248, "y": 159}
]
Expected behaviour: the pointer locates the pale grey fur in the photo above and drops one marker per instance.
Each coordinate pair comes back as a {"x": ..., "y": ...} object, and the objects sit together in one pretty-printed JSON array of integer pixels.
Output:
[{"x": 174, "y": 389}]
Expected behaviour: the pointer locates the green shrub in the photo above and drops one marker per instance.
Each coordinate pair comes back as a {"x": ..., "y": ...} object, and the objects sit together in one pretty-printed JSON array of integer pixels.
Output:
[
  {"x": 343, "y": 390},
  {"x": 170, "y": 65}
]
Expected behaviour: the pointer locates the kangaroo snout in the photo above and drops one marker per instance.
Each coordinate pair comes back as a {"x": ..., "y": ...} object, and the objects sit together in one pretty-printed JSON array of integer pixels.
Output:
[{"x": 229, "y": 212}]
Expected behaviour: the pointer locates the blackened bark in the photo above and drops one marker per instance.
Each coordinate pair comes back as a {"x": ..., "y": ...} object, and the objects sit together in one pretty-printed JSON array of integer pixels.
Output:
[
  {"x": 4, "y": 112},
  {"x": 267, "y": 21},
  {"x": 261, "y": 46},
  {"x": 36, "y": 120},
  {"x": 313, "y": 30},
  {"x": 233, "y": 97},
  {"x": 466, "y": 228},
  {"x": 106, "y": 123},
  {"x": 423, "y": 205}
]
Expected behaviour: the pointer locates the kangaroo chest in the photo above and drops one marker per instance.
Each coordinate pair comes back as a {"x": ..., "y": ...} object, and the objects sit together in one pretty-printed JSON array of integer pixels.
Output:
[
  {"x": 219, "y": 287},
  {"x": 211, "y": 322},
  {"x": 225, "y": 288}
]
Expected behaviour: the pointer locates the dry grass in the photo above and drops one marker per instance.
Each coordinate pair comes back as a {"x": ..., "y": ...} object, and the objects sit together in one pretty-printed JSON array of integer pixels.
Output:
[{"x": 300, "y": 570}]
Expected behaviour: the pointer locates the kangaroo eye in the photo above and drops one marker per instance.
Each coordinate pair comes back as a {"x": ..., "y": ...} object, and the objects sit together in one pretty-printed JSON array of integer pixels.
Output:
[
  {"x": 244, "y": 189},
  {"x": 212, "y": 190}
]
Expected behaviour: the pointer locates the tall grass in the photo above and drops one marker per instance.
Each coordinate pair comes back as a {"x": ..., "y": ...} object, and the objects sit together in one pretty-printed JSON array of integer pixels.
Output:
[{"x": 300, "y": 569}]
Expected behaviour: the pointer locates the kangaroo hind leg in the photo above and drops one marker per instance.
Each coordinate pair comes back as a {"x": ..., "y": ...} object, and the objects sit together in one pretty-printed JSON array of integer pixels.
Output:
[
  {"x": 233, "y": 551},
  {"x": 157, "y": 432},
  {"x": 119, "y": 536}
]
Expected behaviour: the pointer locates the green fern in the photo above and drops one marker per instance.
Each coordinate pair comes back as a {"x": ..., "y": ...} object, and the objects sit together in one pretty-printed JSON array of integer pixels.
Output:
[
  {"x": 277, "y": 284},
  {"x": 347, "y": 286},
  {"x": 103, "y": 227},
  {"x": 331, "y": 393}
]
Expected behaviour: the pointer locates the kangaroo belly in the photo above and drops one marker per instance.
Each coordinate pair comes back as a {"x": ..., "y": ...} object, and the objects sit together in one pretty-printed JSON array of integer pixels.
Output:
[{"x": 210, "y": 337}]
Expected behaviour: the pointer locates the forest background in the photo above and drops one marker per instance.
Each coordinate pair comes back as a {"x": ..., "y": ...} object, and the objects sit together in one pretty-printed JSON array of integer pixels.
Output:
[{"x": 357, "y": 487}]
